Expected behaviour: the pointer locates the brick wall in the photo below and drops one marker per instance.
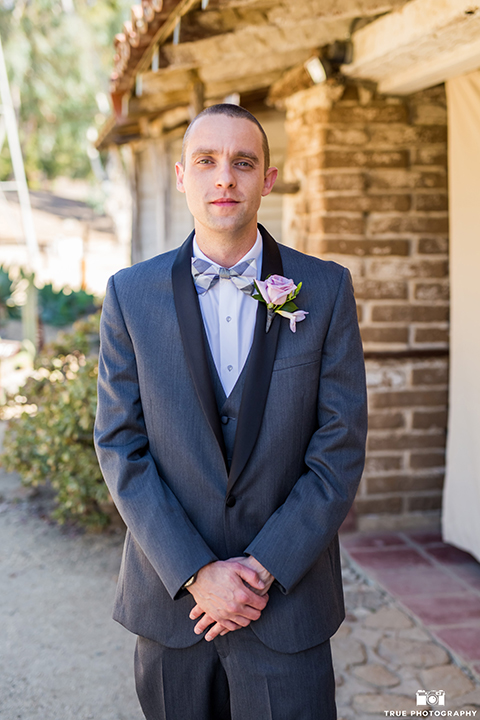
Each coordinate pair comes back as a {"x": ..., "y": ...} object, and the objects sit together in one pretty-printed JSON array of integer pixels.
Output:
[{"x": 373, "y": 197}]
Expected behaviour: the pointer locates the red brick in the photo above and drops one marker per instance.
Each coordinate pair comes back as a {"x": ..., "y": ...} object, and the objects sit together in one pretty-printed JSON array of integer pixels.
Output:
[
  {"x": 408, "y": 224},
  {"x": 405, "y": 441},
  {"x": 432, "y": 335},
  {"x": 430, "y": 246},
  {"x": 380, "y": 290},
  {"x": 359, "y": 313},
  {"x": 380, "y": 113},
  {"x": 384, "y": 334},
  {"x": 408, "y": 398},
  {"x": 337, "y": 225},
  {"x": 366, "y": 158},
  {"x": 386, "y": 421},
  {"x": 409, "y": 313},
  {"x": 379, "y": 506},
  {"x": 404, "y": 483},
  {"x": 428, "y": 420},
  {"x": 430, "y": 376},
  {"x": 420, "y": 461},
  {"x": 366, "y": 247},
  {"x": 425, "y": 502},
  {"x": 430, "y": 179},
  {"x": 432, "y": 291},
  {"x": 368, "y": 203},
  {"x": 431, "y": 202}
]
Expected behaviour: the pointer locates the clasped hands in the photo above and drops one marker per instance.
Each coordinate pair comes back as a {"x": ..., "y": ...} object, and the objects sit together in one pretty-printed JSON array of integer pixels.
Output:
[{"x": 229, "y": 594}]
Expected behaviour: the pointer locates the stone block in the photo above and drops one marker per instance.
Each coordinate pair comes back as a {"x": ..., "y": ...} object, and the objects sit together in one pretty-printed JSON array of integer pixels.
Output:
[
  {"x": 384, "y": 334},
  {"x": 386, "y": 421},
  {"x": 380, "y": 113},
  {"x": 449, "y": 678},
  {"x": 379, "y": 506},
  {"x": 343, "y": 181},
  {"x": 385, "y": 375},
  {"x": 431, "y": 292},
  {"x": 401, "y": 224},
  {"x": 346, "y": 136},
  {"x": 366, "y": 159},
  {"x": 408, "y": 398},
  {"x": 368, "y": 289},
  {"x": 422, "y": 461},
  {"x": 430, "y": 155},
  {"x": 400, "y": 651},
  {"x": 432, "y": 335},
  {"x": 337, "y": 225},
  {"x": 405, "y": 441},
  {"x": 376, "y": 675},
  {"x": 390, "y": 268},
  {"x": 431, "y": 202},
  {"x": 367, "y": 247},
  {"x": 423, "y": 503},
  {"x": 430, "y": 419},
  {"x": 382, "y": 463},
  {"x": 410, "y": 313},
  {"x": 369, "y": 203},
  {"x": 429, "y": 115},
  {"x": 433, "y": 375},
  {"x": 403, "y": 483}
]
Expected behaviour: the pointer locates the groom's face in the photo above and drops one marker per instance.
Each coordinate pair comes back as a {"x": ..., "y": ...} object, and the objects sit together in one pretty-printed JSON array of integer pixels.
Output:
[{"x": 223, "y": 175}]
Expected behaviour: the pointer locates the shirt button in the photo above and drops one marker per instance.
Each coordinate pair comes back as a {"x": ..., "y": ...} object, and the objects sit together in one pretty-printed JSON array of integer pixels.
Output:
[
  {"x": 224, "y": 419},
  {"x": 231, "y": 500},
  {"x": 228, "y": 318},
  {"x": 229, "y": 368}
]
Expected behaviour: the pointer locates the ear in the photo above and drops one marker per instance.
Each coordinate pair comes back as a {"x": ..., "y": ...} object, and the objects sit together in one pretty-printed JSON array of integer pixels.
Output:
[
  {"x": 180, "y": 172},
  {"x": 269, "y": 180}
]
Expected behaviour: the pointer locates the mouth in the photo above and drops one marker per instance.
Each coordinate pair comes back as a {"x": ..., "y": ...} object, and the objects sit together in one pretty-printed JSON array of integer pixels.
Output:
[{"x": 224, "y": 202}]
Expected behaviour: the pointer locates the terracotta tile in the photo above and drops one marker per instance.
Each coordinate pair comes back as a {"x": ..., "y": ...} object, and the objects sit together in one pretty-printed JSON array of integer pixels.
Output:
[
  {"x": 372, "y": 540},
  {"x": 464, "y": 641},
  {"x": 445, "y": 609},
  {"x": 388, "y": 558},
  {"x": 418, "y": 580},
  {"x": 476, "y": 669},
  {"x": 425, "y": 537},
  {"x": 450, "y": 555},
  {"x": 469, "y": 573}
]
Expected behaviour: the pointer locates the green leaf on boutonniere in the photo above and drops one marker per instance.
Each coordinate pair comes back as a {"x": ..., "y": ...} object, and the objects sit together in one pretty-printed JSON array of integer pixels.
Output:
[
  {"x": 289, "y": 306},
  {"x": 257, "y": 296}
]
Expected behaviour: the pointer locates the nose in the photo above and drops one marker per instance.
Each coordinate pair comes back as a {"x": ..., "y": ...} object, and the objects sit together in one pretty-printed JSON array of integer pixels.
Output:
[{"x": 225, "y": 176}]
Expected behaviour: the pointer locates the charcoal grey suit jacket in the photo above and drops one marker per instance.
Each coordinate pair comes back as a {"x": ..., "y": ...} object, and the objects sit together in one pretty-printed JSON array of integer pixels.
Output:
[{"x": 297, "y": 460}]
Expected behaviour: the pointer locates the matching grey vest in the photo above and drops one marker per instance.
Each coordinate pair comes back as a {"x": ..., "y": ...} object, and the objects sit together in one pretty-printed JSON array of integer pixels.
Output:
[{"x": 228, "y": 408}]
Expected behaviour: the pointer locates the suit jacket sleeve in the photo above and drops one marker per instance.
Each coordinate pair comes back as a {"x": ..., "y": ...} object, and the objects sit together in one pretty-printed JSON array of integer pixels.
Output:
[
  {"x": 150, "y": 510},
  {"x": 303, "y": 527}
]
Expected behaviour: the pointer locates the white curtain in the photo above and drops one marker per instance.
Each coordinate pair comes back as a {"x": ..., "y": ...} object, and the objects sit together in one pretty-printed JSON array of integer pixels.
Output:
[{"x": 461, "y": 501}]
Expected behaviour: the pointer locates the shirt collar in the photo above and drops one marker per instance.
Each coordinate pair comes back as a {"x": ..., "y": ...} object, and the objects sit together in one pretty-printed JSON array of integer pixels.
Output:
[{"x": 255, "y": 252}]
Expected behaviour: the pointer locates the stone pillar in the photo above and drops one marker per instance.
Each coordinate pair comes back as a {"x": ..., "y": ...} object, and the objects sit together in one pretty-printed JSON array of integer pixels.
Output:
[{"x": 373, "y": 197}]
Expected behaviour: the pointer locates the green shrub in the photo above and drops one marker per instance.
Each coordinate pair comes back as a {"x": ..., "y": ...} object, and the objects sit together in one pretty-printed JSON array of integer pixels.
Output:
[
  {"x": 50, "y": 440},
  {"x": 61, "y": 307}
]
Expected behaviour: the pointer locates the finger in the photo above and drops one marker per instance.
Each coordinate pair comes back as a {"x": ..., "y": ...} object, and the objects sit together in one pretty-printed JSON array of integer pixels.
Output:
[
  {"x": 203, "y": 624},
  {"x": 195, "y": 612},
  {"x": 214, "y": 631},
  {"x": 249, "y": 576}
]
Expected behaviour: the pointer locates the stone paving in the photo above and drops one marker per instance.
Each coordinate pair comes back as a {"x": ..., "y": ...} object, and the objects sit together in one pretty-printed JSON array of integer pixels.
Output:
[{"x": 382, "y": 657}]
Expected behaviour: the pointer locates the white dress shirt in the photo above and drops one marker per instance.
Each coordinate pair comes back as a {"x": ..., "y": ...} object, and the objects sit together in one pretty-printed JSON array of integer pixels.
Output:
[{"x": 229, "y": 318}]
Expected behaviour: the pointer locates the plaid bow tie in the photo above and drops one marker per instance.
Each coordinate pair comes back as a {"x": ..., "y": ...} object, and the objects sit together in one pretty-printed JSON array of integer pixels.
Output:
[{"x": 206, "y": 275}]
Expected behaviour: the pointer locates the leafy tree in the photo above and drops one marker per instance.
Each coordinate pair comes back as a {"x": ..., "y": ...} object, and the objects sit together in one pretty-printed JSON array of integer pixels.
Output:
[{"x": 59, "y": 56}]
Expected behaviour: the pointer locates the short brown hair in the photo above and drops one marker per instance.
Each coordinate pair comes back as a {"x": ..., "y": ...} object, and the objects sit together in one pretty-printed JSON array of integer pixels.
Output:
[{"x": 233, "y": 111}]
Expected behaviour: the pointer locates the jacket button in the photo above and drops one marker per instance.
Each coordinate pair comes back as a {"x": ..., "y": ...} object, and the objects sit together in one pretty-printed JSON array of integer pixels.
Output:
[
  {"x": 224, "y": 419},
  {"x": 231, "y": 500}
]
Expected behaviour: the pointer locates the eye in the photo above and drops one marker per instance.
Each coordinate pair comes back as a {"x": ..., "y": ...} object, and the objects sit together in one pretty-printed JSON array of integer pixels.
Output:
[
  {"x": 244, "y": 163},
  {"x": 204, "y": 161}
]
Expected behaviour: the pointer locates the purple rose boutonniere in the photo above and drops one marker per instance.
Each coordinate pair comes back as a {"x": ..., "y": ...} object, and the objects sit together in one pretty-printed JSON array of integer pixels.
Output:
[{"x": 278, "y": 294}]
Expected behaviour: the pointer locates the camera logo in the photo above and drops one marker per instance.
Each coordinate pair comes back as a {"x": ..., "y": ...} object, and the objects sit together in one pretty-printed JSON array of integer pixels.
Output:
[{"x": 430, "y": 697}]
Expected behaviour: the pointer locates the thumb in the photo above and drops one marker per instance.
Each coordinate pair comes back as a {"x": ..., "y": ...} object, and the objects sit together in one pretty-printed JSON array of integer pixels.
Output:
[{"x": 250, "y": 577}]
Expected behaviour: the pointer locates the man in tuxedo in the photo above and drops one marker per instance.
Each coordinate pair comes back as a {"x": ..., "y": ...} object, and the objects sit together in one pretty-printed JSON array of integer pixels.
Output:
[{"x": 233, "y": 453}]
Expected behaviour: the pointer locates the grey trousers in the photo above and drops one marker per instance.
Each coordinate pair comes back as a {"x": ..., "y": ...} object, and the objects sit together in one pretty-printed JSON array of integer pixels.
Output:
[{"x": 234, "y": 677}]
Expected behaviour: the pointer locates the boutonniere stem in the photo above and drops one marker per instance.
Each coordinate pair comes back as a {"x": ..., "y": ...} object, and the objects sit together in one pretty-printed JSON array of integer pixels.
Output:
[{"x": 278, "y": 293}]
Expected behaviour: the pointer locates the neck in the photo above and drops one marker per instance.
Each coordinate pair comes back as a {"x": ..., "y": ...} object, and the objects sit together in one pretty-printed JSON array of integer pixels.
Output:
[{"x": 226, "y": 249}]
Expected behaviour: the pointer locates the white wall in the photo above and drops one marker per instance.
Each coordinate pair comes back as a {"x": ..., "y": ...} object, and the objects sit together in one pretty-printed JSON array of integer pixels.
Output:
[{"x": 461, "y": 505}]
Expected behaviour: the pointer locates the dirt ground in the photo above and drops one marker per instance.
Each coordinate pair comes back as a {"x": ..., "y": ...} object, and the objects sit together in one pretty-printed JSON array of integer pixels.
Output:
[{"x": 61, "y": 655}]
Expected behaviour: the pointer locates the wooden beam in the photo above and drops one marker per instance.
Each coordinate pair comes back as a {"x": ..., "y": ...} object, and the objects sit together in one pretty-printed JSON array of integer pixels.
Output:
[{"x": 421, "y": 45}]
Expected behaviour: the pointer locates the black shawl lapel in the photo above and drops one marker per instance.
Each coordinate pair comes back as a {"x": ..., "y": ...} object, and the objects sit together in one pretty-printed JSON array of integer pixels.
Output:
[
  {"x": 193, "y": 337},
  {"x": 259, "y": 369}
]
